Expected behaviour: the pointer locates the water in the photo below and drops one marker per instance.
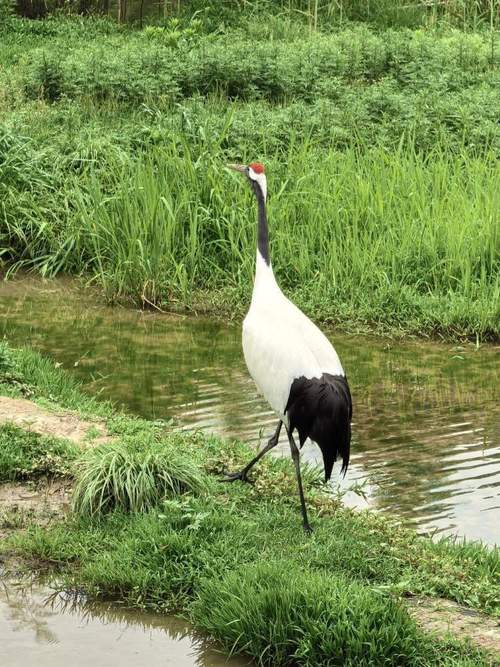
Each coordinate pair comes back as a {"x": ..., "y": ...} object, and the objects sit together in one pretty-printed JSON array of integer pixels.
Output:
[
  {"x": 40, "y": 626},
  {"x": 426, "y": 430}
]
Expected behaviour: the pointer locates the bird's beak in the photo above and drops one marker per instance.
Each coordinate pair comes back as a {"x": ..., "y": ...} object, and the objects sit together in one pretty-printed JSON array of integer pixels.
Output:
[{"x": 238, "y": 167}]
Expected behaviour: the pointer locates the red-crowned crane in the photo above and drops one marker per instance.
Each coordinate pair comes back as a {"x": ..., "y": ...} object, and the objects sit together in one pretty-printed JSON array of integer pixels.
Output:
[{"x": 293, "y": 364}]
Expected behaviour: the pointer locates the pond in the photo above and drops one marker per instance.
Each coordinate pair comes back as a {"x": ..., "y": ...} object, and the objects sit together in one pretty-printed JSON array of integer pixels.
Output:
[
  {"x": 47, "y": 628},
  {"x": 426, "y": 425}
]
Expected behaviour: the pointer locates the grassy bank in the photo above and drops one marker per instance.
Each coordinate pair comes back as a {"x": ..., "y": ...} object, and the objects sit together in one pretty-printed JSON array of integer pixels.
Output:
[
  {"x": 152, "y": 525},
  {"x": 381, "y": 145}
]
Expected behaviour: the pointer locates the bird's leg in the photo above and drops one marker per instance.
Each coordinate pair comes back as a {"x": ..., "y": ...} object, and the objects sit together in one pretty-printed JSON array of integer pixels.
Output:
[
  {"x": 296, "y": 459},
  {"x": 242, "y": 474}
]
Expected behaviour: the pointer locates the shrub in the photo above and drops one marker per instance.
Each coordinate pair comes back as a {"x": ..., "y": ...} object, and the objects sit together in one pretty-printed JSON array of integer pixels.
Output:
[
  {"x": 161, "y": 62},
  {"x": 45, "y": 78}
]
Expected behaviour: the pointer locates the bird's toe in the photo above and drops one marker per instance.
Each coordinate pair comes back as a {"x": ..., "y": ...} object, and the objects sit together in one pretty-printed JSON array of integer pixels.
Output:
[
  {"x": 233, "y": 476},
  {"x": 307, "y": 529}
]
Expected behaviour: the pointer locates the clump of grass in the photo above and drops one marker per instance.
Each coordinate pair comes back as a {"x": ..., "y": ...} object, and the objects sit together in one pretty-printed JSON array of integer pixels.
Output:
[
  {"x": 282, "y": 615},
  {"x": 133, "y": 475},
  {"x": 25, "y": 455}
]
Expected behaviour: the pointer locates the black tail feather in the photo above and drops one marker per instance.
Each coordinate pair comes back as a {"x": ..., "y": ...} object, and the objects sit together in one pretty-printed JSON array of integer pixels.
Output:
[{"x": 321, "y": 409}]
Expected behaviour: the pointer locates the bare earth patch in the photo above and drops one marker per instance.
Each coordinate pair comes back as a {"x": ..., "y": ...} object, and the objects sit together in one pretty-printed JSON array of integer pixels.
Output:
[
  {"x": 32, "y": 417},
  {"x": 32, "y": 503},
  {"x": 45, "y": 500},
  {"x": 445, "y": 616}
]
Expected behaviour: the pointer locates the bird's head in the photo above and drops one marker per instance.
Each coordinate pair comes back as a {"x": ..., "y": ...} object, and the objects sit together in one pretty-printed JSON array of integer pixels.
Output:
[{"x": 256, "y": 175}]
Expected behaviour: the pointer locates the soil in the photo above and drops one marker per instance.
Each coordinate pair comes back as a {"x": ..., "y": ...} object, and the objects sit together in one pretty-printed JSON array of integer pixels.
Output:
[
  {"x": 25, "y": 504},
  {"x": 32, "y": 417},
  {"x": 447, "y": 617},
  {"x": 43, "y": 501}
]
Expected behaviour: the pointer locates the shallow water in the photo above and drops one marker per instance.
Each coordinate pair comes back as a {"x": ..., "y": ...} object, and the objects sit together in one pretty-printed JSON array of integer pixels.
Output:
[
  {"x": 45, "y": 628},
  {"x": 426, "y": 428}
]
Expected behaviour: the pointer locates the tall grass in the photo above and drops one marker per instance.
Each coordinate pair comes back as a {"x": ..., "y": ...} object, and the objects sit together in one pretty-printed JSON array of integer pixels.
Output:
[
  {"x": 395, "y": 237},
  {"x": 282, "y": 616},
  {"x": 463, "y": 13},
  {"x": 312, "y": 12},
  {"x": 381, "y": 149},
  {"x": 133, "y": 476}
]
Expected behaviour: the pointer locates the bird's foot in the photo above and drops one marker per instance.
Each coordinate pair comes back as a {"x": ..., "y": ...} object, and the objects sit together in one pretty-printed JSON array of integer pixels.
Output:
[
  {"x": 307, "y": 529},
  {"x": 233, "y": 476}
]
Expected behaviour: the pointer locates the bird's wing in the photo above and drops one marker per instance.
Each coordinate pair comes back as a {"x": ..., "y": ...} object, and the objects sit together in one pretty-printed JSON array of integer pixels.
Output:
[
  {"x": 316, "y": 341},
  {"x": 276, "y": 353}
]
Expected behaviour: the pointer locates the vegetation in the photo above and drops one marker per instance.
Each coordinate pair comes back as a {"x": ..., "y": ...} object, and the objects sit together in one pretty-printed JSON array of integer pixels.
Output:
[
  {"x": 282, "y": 597},
  {"x": 133, "y": 476},
  {"x": 269, "y": 598},
  {"x": 385, "y": 12},
  {"x": 27, "y": 374},
  {"x": 25, "y": 455},
  {"x": 381, "y": 142}
]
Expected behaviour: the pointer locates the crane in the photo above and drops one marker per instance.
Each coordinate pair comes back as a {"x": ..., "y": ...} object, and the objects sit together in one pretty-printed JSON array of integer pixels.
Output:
[{"x": 292, "y": 363}]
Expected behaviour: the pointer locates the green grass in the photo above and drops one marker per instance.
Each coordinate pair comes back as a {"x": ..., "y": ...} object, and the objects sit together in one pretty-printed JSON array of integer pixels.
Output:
[
  {"x": 357, "y": 237},
  {"x": 25, "y": 373},
  {"x": 25, "y": 455},
  {"x": 133, "y": 476},
  {"x": 281, "y": 597},
  {"x": 180, "y": 555},
  {"x": 381, "y": 146},
  {"x": 273, "y": 611}
]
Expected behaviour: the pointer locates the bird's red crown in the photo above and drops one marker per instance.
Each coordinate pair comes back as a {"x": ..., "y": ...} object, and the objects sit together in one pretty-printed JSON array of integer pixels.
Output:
[{"x": 257, "y": 167}]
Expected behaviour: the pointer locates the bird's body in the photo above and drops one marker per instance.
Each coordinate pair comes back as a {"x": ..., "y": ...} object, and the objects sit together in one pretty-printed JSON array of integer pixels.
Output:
[
  {"x": 292, "y": 363},
  {"x": 281, "y": 344}
]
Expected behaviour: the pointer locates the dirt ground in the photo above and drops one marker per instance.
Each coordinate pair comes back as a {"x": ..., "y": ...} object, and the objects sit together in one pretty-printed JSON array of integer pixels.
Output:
[
  {"x": 42, "y": 502},
  {"x": 445, "y": 616},
  {"x": 32, "y": 417}
]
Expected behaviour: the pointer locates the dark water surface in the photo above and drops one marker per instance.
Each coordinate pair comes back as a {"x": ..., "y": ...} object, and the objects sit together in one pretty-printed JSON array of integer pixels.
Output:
[
  {"x": 40, "y": 627},
  {"x": 426, "y": 430}
]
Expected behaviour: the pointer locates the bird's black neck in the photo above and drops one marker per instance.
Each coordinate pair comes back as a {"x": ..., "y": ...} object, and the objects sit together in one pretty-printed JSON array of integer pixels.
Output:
[{"x": 262, "y": 229}]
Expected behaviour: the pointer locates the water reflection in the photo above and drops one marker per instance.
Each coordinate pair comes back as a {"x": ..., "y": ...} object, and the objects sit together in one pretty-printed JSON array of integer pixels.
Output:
[
  {"x": 43, "y": 627},
  {"x": 426, "y": 420}
]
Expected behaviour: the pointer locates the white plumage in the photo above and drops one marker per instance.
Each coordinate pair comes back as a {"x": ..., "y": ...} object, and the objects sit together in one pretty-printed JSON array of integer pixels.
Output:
[{"x": 280, "y": 343}]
